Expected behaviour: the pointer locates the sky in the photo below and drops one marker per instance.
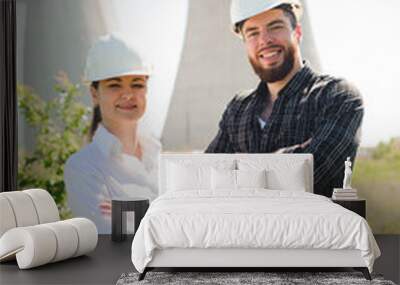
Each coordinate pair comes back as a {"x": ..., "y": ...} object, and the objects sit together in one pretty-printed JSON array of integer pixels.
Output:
[{"x": 360, "y": 41}]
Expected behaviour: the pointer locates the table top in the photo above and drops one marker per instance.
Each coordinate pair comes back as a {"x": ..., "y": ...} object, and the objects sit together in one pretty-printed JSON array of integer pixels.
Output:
[
  {"x": 135, "y": 199},
  {"x": 348, "y": 200}
]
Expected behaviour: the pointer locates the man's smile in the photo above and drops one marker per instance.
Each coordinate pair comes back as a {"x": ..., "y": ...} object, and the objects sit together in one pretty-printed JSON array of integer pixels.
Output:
[{"x": 270, "y": 55}]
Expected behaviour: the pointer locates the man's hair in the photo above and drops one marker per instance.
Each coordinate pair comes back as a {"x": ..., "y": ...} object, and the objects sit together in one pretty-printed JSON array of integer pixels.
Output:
[{"x": 287, "y": 11}]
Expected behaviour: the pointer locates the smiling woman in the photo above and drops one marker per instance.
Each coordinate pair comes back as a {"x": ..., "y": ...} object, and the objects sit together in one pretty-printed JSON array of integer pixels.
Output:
[
  {"x": 119, "y": 162},
  {"x": 119, "y": 100}
]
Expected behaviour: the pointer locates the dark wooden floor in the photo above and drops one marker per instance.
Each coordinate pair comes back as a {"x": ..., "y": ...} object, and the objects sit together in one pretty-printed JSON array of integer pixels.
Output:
[
  {"x": 102, "y": 266},
  {"x": 110, "y": 260}
]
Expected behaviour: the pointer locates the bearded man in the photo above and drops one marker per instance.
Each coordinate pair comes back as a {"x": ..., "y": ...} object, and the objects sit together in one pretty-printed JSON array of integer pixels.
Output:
[{"x": 293, "y": 109}]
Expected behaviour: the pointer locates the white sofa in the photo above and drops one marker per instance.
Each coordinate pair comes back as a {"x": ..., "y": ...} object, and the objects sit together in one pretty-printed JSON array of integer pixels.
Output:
[{"x": 31, "y": 231}]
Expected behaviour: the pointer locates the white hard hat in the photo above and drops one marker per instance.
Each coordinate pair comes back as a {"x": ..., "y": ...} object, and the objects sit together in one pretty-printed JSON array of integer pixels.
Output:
[
  {"x": 244, "y": 9},
  {"x": 111, "y": 56}
]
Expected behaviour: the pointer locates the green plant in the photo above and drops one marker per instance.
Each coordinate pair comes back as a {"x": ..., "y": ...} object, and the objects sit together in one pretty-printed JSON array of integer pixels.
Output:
[
  {"x": 61, "y": 126},
  {"x": 388, "y": 151},
  {"x": 377, "y": 179}
]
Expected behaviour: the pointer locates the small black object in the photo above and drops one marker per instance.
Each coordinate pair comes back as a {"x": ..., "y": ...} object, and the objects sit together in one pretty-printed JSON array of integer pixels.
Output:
[
  {"x": 358, "y": 206},
  {"x": 143, "y": 274},
  {"x": 119, "y": 207}
]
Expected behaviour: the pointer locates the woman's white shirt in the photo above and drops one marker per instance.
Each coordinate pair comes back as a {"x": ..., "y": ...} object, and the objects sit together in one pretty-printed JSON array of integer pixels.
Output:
[{"x": 100, "y": 171}]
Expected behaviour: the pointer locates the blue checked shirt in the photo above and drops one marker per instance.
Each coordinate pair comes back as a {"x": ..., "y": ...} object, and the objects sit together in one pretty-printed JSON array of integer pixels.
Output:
[{"x": 322, "y": 108}]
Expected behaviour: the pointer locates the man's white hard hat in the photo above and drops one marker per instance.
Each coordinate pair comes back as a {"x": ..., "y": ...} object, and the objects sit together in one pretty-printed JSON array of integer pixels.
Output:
[
  {"x": 244, "y": 9},
  {"x": 112, "y": 56}
]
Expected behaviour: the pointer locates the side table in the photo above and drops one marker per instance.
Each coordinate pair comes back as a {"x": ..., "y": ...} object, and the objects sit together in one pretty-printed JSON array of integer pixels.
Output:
[
  {"x": 118, "y": 213},
  {"x": 358, "y": 206}
]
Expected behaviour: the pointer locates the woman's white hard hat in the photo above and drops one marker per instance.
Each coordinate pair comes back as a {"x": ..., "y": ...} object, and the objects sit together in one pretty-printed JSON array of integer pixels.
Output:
[
  {"x": 244, "y": 9},
  {"x": 112, "y": 56}
]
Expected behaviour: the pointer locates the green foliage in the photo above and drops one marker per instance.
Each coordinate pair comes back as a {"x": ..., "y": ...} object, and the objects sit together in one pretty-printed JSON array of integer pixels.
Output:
[
  {"x": 61, "y": 126},
  {"x": 377, "y": 179},
  {"x": 388, "y": 151}
]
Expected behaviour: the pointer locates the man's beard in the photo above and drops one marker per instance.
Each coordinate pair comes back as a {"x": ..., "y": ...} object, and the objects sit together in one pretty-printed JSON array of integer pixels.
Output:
[{"x": 278, "y": 73}]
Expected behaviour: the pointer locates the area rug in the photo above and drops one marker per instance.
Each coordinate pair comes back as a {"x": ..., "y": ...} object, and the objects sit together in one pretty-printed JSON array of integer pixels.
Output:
[{"x": 244, "y": 278}]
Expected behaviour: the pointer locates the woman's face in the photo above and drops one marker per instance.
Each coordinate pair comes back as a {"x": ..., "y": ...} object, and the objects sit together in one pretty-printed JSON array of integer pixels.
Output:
[{"x": 121, "y": 99}]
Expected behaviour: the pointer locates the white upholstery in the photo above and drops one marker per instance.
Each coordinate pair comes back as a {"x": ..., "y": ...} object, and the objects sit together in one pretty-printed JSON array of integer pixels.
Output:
[
  {"x": 183, "y": 173},
  {"x": 7, "y": 220},
  {"x": 251, "y": 178},
  {"x": 226, "y": 179},
  {"x": 284, "y": 171},
  {"x": 66, "y": 236},
  {"x": 184, "y": 177},
  {"x": 45, "y": 206},
  {"x": 282, "y": 174},
  {"x": 87, "y": 234},
  {"x": 31, "y": 232},
  {"x": 223, "y": 179},
  {"x": 23, "y": 209},
  {"x": 256, "y": 257}
]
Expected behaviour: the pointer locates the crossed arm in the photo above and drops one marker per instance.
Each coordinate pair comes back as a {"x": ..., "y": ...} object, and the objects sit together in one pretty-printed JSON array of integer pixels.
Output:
[{"x": 335, "y": 137}]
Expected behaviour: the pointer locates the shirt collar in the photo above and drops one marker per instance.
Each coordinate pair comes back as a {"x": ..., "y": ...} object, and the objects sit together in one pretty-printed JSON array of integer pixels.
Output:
[
  {"x": 110, "y": 144},
  {"x": 298, "y": 81},
  {"x": 106, "y": 141}
]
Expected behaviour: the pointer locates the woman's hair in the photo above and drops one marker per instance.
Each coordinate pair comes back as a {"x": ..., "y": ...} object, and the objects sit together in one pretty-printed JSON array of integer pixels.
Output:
[{"x": 96, "y": 119}]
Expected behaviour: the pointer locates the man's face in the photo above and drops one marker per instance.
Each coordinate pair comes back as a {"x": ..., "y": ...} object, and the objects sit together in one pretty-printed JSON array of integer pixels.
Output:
[
  {"x": 272, "y": 44},
  {"x": 121, "y": 99}
]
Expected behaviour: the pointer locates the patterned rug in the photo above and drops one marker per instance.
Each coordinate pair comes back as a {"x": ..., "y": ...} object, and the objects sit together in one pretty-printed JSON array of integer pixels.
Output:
[{"x": 243, "y": 278}]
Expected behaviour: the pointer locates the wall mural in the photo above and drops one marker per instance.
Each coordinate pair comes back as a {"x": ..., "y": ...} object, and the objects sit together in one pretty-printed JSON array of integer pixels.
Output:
[{"x": 198, "y": 65}]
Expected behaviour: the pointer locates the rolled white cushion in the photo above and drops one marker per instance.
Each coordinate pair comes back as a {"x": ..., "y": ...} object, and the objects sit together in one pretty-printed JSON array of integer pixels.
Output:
[
  {"x": 87, "y": 235},
  {"x": 67, "y": 239},
  {"x": 46, "y": 208},
  {"x": 33, "y": 246},
  {"x": 26, "y": 208},
  {"x": 7, "y": 218},
  {"x": 40, "y": 244},
  {"x": 23, "y": 208}
]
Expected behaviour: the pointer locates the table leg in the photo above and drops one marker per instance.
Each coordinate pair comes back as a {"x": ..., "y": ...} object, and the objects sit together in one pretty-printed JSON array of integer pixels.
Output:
[{"x": 116, "y": 221}]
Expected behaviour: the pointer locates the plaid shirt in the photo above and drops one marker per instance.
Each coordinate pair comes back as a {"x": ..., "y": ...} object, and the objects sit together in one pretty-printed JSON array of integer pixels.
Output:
[{"x": 311, "y": 106}]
